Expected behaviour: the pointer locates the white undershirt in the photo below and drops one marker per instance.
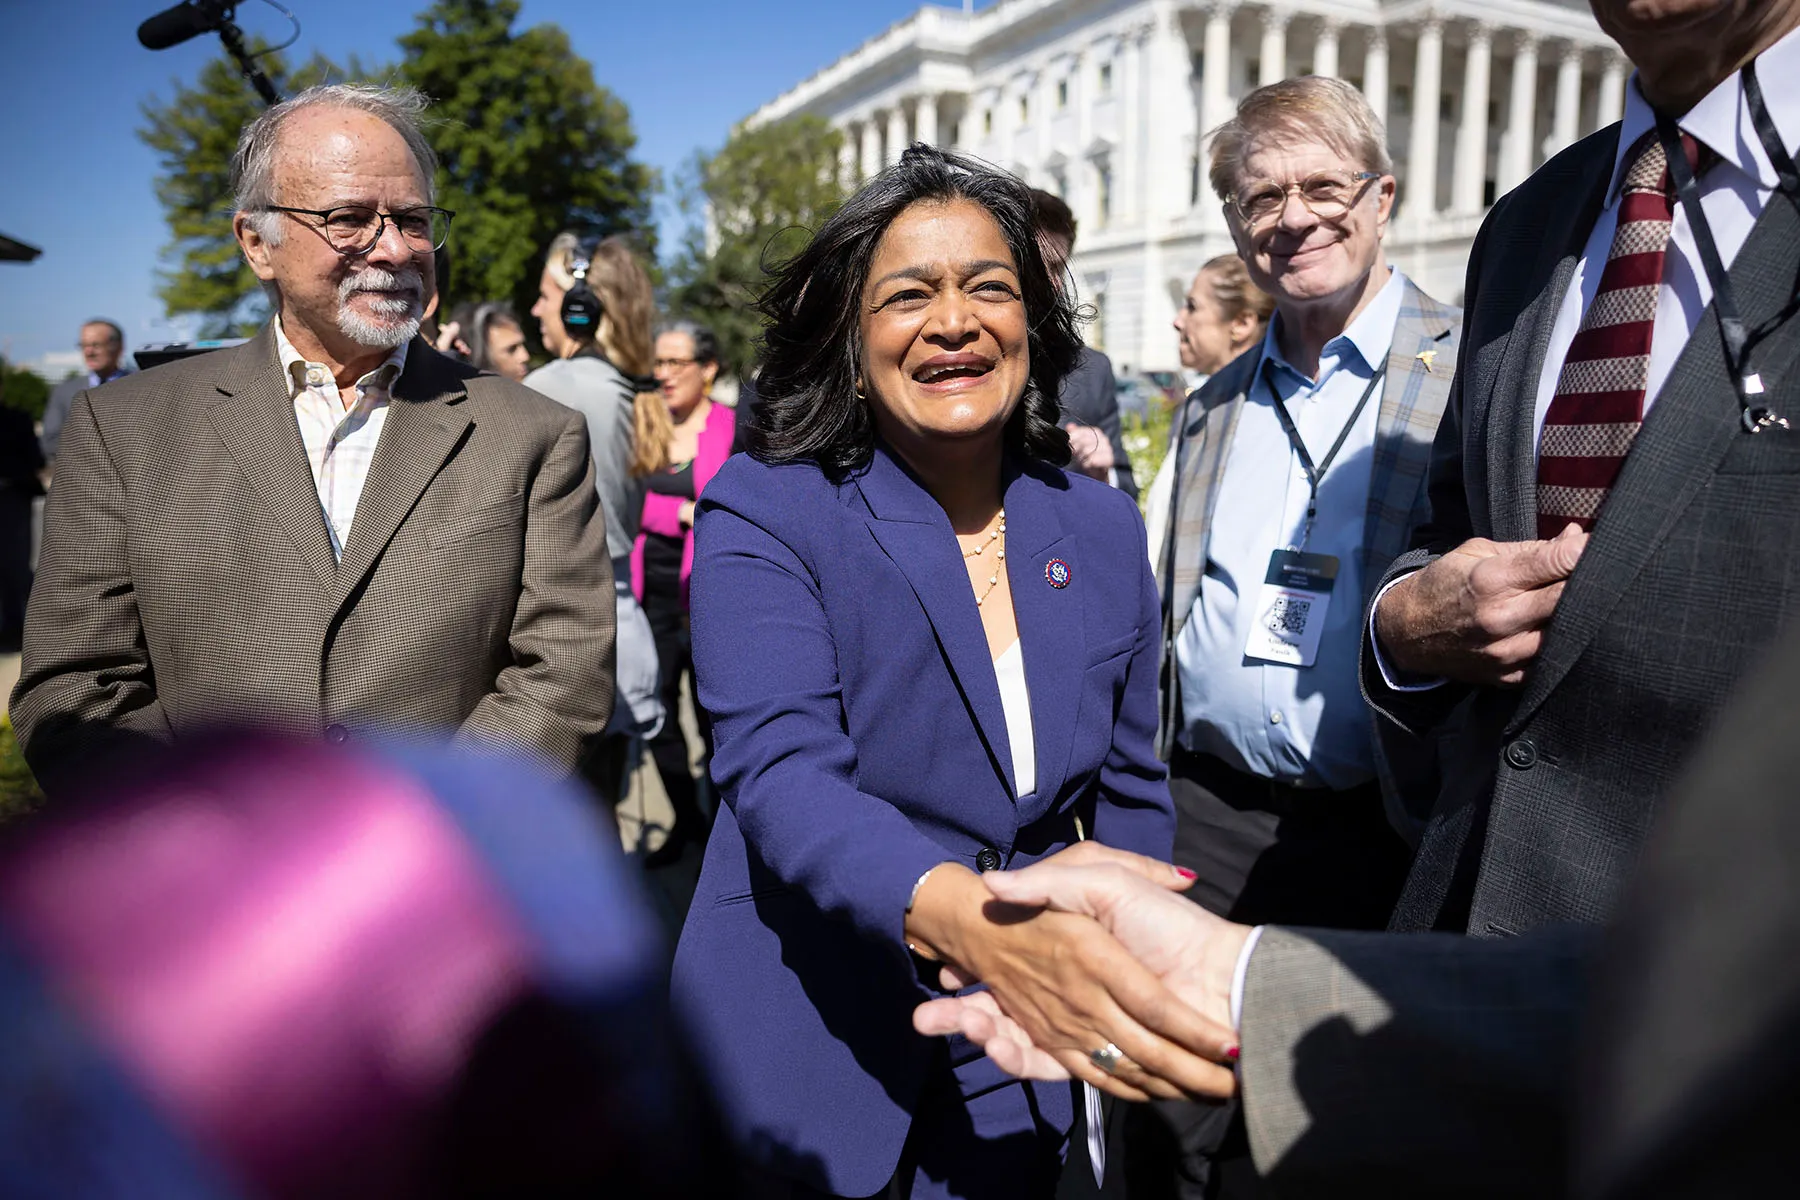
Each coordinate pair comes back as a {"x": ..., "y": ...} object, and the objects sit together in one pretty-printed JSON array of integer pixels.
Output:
[{"x": 1009, "y": 671}]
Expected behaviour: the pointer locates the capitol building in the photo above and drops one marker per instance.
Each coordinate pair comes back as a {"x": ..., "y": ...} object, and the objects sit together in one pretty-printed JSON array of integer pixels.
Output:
[{"x": 1106, "y": 103}]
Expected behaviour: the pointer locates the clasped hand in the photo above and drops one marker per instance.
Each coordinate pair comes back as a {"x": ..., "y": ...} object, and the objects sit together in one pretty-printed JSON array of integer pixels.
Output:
[{"x": 1108, "y": 953}]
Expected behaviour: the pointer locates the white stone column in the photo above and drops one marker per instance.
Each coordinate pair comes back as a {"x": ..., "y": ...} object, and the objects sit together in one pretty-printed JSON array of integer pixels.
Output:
[
  {"x": 847, "y": 148},
  {"x": 871, "y": 147},
  {"x": 896, "y": 133},
  {"x": 1521, "y": 116},
  {"x": 1274, "y": 47},
  {"x": 1565, "y": 123},
  {"x": 925, "y": 119},
  {"x": 1130, "y": 187},
  {"x": 1422, "y": 155},
  {"x": 1612, "y": 91},
  {"x": 1215, "y": 68},
  {"x": 1375, "y": 73},
  {"x": 1325, "y": 49},
  {"x": 1472, "y": 133},
  {"x": 1172, "y": 116}
]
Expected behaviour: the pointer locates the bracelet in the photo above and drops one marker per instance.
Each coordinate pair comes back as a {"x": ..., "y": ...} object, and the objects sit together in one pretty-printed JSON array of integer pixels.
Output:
[{"x": 914, "y": 897}]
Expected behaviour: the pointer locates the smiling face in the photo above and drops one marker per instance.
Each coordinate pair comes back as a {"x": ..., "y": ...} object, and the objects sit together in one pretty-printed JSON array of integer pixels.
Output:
[
  {"x": 945, "y": 352},
  {"x": 1298, "y": 257},
  {"x": 344, "y": 304}
]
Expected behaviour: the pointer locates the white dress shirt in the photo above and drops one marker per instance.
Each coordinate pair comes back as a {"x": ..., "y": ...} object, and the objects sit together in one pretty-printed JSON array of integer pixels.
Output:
[
  {"x": 1299, "y": 725},
  {"x": 340, "y": 437},
  {"x": 1733, "y": 194}
]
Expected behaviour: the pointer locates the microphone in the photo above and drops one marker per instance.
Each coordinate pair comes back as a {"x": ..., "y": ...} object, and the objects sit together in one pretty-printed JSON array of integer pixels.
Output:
[{"x": 175, "y": 25}]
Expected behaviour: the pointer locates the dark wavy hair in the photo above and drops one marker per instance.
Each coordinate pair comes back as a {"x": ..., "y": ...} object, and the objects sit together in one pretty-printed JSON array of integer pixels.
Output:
[{"x": 812, "y": 345}]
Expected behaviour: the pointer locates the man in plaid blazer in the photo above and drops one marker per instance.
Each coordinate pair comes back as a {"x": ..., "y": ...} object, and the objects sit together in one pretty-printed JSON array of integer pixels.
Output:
[{"x": 332, "y": 529}]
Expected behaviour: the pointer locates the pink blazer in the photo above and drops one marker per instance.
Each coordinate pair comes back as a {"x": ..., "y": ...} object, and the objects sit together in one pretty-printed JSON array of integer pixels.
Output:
[{"x": 662, "y": 513}]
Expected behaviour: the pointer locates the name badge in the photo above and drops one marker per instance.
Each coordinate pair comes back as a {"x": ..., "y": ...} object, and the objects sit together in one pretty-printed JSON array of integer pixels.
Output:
[{"x": 1291, "y": 607}]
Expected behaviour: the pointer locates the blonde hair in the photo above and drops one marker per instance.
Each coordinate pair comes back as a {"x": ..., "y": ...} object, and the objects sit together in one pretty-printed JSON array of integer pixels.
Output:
[
  {"x": 1229, "y": 282},
  {"x": 1311, "y": 108},
  {"x": 628, "y": 306}
]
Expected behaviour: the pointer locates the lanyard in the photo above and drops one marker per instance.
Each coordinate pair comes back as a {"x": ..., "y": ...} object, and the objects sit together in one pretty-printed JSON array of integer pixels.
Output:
[
  {"x": 1315, "y": 474},
  {"x": 1744, "y": 378}
]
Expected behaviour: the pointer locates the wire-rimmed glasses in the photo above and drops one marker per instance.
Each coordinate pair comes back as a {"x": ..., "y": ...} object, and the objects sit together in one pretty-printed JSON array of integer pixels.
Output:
[
  {"x": 1329, "y": 194},
  {"x": 355, "y": 228}
]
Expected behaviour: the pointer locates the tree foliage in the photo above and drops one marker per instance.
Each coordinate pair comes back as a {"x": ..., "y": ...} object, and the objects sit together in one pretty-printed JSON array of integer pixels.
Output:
[
  {"x": 193, "y": 135},
  {"x": 22, "y": 389},
  {"x": 749, "y": 206},
  {"x": 530, "y": 144}
]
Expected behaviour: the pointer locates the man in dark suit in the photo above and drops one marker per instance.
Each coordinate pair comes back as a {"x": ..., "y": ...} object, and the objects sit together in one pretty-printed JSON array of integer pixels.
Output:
[
  {"x": 1090, "y": 393},
  {"x": 1563, "y": 674},
  {"x": 332, "y": 528}
]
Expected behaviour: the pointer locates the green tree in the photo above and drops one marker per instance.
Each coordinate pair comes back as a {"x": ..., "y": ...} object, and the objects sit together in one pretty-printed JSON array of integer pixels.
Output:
[
  {"x": 194, "y": 134},
  {"x": 749, "y": 206},
  {"x": 529, "y": 144},
  {"x": 22, "y": 389}
]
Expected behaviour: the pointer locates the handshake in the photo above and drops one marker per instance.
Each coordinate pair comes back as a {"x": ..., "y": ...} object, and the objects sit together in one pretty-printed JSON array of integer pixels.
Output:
[{"x": 1136, "y": 998}]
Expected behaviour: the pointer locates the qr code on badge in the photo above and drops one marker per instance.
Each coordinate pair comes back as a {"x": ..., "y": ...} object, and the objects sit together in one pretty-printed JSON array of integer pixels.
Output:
[{"x": 1287, "y": 616}]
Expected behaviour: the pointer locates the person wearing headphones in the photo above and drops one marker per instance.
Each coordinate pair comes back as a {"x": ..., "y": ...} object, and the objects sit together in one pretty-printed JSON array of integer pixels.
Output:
[{"x": 594, "y": 311}]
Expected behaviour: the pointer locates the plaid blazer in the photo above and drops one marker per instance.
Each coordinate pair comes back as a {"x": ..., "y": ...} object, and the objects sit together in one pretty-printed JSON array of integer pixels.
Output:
[
  {"x": 1421, "y": 361},
  {"x": 187, "y": 578}
]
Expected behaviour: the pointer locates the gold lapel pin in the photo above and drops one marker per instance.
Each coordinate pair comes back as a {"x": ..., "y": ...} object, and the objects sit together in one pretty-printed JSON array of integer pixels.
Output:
[{"x": 1427, "y": 357}]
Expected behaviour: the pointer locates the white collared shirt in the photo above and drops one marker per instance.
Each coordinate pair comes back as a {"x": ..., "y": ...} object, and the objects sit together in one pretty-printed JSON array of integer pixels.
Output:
[
  {"x": 340, "y": 438},
  {"x": 1302, "y": 725},
  {"x": 1732, "y": 195}
]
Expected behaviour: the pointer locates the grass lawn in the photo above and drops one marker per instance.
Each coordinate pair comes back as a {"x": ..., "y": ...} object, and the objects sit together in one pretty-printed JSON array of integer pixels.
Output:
[{"x": 18, "y": 790}]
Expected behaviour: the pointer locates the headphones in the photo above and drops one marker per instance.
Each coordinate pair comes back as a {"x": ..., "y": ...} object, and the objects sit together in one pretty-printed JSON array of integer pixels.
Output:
[{"x": 581, "y": 308}]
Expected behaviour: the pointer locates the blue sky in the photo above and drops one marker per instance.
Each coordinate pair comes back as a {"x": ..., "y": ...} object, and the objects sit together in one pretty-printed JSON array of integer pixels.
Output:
[{"x": 77, "y": 183}]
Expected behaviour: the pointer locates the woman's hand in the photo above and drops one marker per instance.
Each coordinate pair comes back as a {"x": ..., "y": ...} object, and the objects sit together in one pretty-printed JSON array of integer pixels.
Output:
[
  {"x": 1070, "y": 988},
  {"x": 1191, "y": 952},
  {"x": 685, "y": 514}
]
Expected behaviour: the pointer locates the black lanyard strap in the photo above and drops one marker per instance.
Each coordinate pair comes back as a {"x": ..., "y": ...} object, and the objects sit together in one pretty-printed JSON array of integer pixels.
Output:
[
  {"x": 1315, "y": 474},
  {"x": 1745, "y": 381}
]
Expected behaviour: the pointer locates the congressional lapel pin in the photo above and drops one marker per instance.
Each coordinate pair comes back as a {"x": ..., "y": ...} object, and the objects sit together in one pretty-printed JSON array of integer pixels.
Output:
[
  {"x": 1056, "y": 573},
  {"x": 1427, "y": 357}
]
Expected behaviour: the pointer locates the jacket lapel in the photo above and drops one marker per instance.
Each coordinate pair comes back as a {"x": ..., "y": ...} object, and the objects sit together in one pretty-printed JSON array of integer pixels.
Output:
[
  {"x": 254, "y": 417},
  {"x": 913, "y": 531},
  {"x": 1050, "y": 627},
  {"x": 1421, "y": 363},
  {"x": 1686, "y": 435},
  {"x": 422, "y": 430}
]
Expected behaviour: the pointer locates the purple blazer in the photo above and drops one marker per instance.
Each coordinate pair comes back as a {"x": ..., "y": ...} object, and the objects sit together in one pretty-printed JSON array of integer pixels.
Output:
[
  {"x": 860, "y": 740},
  {"x": 662, "y": 513}
]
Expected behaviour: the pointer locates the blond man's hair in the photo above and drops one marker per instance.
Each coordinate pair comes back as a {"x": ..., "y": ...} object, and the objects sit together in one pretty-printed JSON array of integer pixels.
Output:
[{"x": 1310, "y": 108}]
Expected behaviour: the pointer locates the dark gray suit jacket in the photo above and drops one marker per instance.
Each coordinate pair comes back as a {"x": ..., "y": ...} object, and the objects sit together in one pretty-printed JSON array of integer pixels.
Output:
[
  {"x": 1090, "y": 395},
  {"x": 1413, "y": 1065},
  {"x": 187, "y": 577}
]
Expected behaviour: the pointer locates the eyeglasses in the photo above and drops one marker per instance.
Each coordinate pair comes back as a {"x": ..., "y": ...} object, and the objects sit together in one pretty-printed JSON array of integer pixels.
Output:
[
  {"x": 354, "y": 229},
  {"x": 672, "y": 364},
  {"x": 1329, "y": 194}
]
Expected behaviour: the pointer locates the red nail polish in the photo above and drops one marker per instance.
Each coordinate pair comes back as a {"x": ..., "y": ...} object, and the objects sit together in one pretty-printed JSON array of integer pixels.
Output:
[
  {"x": 1185, "y": 873},
  {"x": 1231, "y": 1052}
]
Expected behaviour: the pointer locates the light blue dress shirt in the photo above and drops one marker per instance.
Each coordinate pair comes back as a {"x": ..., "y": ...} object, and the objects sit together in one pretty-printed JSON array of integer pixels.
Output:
[{"x": 1299, "y": 725}]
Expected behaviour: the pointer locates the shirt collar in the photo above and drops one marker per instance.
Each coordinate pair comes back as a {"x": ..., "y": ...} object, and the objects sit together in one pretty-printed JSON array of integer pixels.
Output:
[
  {"x": 296, "y": 369},
  {"x": 1721, "y": 121},
  {"x": 95, "y": 378},
  {"x": 1371, "y": 334}
]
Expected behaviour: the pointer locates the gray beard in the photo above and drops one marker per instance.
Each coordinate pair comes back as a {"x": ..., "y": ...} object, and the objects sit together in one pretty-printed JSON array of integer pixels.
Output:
[{"x": 401, "y": 315}]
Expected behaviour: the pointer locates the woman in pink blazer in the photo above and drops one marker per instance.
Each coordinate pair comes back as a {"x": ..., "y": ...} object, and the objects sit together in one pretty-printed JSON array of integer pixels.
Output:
[{"x": 687, "y": 361}]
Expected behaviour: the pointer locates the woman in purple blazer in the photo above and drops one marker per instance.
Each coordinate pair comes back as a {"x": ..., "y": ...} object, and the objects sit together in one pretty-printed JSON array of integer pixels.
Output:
[{"x": 927, "y": 651}]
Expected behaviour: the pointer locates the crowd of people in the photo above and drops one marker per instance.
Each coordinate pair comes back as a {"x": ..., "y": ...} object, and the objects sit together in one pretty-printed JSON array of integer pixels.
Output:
[{"x": 1344, "y": 824}]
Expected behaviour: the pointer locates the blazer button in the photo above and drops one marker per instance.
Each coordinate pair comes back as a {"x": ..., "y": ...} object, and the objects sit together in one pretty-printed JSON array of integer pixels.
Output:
[
  {"x": 988, "y": 859},
  {"x": 336, "y": 734},
  {"x": 1521, "y": 755}
]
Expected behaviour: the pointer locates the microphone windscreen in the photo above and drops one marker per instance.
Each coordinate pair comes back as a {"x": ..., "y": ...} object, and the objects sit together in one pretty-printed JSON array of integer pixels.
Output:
[{"x": 172, "y": 26}]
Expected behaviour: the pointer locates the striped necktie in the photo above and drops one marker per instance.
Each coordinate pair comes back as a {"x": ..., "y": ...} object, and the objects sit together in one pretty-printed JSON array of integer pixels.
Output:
[{"x": 1598, "y": 407}]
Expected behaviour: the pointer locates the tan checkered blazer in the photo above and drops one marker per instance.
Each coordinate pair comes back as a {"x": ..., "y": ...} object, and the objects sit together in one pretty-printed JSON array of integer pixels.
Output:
[{"x": 187, "y": 578}]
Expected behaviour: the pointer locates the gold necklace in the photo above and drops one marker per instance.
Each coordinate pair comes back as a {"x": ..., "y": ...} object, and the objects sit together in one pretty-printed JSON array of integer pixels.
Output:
[
  {"x": 993, "y": 581},
  {"x": 978, "y": 551}
]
